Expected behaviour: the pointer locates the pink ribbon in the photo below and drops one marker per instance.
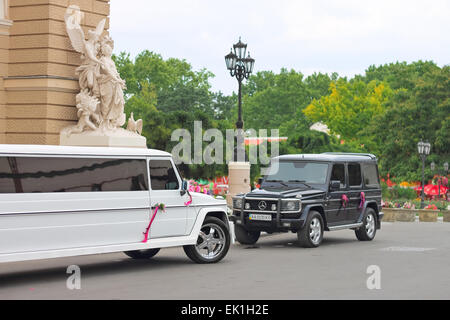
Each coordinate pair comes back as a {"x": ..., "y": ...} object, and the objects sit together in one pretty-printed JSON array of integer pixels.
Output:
[
  {"x": 150, "y": 224},
  {"x": 363, "y": 200},
  {"x": 187, "y": 204},
  {"x": 344, "y": 200}
]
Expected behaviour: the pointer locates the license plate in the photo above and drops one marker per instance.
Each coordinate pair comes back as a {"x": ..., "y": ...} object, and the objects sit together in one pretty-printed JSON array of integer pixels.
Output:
[{"x": 260, "y": 217}]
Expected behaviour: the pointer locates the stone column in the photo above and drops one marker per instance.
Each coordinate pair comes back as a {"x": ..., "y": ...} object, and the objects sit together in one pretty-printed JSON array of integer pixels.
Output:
[
  {"x": 41, "y": 84},
  {"x": 238, "y": 179},
  {"x": 5, "y": 25}
]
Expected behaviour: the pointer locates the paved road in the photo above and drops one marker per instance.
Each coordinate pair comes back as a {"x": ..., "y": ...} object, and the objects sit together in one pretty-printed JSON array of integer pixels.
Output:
[{"x": 414, "y": 259}]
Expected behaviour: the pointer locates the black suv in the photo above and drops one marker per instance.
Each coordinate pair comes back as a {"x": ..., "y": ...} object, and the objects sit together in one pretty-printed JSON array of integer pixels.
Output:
[{"x": 310, "y": 194}]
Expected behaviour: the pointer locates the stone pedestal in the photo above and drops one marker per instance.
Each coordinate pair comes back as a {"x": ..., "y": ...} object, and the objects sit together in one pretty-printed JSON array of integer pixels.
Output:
[
  {"x": 120, "y": 138},
  {"x": 239, "y": 179}
]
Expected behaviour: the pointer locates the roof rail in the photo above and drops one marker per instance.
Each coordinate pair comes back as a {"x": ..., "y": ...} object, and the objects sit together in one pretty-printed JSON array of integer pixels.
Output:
[{"x": 372, "y": 156}]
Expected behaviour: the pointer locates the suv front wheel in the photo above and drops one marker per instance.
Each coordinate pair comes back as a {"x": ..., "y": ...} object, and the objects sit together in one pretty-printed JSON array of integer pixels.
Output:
[
  {"x": 243, "y": 236},
  {"x": 311, "y": 235}
]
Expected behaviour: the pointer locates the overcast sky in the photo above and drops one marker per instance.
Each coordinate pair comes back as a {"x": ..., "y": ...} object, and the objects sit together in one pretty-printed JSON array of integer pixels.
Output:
[{"x": 344, "y": 36}]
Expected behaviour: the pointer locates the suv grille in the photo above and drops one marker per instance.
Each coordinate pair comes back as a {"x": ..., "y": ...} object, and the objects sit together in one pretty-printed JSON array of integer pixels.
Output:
[{"x": 261, "y": 205}]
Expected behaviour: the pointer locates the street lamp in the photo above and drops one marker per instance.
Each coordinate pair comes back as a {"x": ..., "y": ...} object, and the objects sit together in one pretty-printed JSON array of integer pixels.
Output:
[
  {"x": 240, "y": 67},
  {"x": 424, "y": 150}
]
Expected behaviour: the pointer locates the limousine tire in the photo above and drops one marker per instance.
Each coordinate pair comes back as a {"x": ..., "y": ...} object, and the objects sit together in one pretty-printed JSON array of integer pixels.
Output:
[
  {"x": 243, "y": 236},
  {"x": 311, "y": 235},
  {"x": 142, "y": 254},
  {"x": 212, "y": 244},
  {"x": 369, "y": 228}
]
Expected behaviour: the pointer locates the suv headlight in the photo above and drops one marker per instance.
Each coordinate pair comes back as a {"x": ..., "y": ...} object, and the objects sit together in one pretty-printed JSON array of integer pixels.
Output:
[
  {"x": 238, "y": 203},
  {"x": 290, "y": 205}
]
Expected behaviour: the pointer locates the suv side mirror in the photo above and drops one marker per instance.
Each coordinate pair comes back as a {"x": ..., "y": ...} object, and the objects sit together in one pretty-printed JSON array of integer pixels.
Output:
[
  {"x": 260, "y": 181},
  {"x": 335, "y": 185}
]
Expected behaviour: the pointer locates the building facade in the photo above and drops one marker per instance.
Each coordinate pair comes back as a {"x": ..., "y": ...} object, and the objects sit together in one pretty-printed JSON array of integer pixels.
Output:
[{"x": 37, "y": 68}]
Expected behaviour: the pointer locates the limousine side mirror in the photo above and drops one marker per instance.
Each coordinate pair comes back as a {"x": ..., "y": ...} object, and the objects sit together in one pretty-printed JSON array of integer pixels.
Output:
[
  {"x": 184, "y": 187},
  {"x": 335, "y": 185}
]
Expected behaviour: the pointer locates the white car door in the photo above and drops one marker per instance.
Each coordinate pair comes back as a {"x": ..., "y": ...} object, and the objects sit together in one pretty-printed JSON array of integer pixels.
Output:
[{"x": 165, "y": 188}]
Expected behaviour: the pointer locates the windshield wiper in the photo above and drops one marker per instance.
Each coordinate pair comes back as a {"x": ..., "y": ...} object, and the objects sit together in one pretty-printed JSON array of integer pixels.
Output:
[{"x": 302, "y": 182}]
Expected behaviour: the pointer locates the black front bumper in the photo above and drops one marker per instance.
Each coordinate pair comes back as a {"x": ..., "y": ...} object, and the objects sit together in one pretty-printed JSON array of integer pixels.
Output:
[{"x": 278, "y": 223}]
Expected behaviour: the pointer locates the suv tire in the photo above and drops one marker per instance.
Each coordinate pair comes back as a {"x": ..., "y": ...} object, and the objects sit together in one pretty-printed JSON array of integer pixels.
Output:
[
  {"x": 215, "y": 238},
  {"x": 142, "y": 254},
  {"x": 311, "y": 235},
  {"x": 243, "y": 236},
  {"x": 368, "y": 230}
]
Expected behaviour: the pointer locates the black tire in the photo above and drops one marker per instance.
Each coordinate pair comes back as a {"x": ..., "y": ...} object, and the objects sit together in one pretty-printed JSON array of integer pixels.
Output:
[
  {"x": 220, "y": 250},
  {"x": 243, "y": 236},
  {"x": 142, "y": 254},
  {"x": 305, "y": 239},
  {"x": 369, "y": 228}
]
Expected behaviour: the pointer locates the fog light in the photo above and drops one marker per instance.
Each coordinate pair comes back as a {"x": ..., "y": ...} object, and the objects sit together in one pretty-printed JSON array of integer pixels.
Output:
[{"x": 286, "y": 225}]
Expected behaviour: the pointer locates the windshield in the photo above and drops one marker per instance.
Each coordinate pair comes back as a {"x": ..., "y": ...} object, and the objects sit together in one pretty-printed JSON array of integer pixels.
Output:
[{"x": 298, "y": 171}]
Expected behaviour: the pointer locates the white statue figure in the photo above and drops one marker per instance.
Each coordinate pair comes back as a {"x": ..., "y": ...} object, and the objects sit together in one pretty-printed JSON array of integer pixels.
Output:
[
  {"x": 87, "y": 111},
  {"x": 100, "y": 102},
  {"x": 89, "y": 49},
  {"x": 133, "y": 125},
  {"x": 111, "y": 88}
]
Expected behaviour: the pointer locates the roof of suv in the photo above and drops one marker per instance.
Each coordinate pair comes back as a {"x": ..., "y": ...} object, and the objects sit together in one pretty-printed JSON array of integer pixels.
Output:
[{"x": 330, "y": 156}]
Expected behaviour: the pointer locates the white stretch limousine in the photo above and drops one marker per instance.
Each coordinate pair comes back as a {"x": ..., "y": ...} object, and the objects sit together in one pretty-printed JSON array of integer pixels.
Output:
[{"x": 69, "y": 201}]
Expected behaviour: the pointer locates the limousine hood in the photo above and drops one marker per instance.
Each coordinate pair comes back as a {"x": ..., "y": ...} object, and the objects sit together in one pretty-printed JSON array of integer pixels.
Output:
[{"x": 204, "y": 199}]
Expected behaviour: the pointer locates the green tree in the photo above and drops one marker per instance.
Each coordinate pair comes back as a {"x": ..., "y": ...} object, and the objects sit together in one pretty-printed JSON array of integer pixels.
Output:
[{"x": 350, "y": 107}]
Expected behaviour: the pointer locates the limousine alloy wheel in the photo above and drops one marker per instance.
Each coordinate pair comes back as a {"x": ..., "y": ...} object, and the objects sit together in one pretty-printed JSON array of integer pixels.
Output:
[{"x": 212, "y": 244}]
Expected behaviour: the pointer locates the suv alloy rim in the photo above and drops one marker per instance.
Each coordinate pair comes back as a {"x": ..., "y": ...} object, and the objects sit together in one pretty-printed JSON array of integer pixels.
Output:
[
  {"x": 315, "y": 231},
  {"x": 370, "y": 225},
  {"x": 211, "y": 241}
]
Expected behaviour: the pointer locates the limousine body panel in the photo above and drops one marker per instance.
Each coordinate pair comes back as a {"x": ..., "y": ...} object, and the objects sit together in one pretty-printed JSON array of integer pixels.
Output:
[{"x": 45, "y": 218}]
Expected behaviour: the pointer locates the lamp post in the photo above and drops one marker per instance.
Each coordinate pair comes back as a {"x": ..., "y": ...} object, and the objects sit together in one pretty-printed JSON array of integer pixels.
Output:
[
  {"x": 424, "y": 150},
  {"x": 240, "y": 67}
]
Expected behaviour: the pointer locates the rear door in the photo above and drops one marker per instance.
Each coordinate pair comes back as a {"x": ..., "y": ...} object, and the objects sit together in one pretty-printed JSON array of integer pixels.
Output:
[{"x": 165, "y": 187}]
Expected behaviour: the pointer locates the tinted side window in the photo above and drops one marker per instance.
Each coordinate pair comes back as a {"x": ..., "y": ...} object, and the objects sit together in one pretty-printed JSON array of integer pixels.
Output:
[
  {"x": 371, "y": 175},
  {"x": 163, "y": 176},
  {"x": 54, "y": 174},
  {"x": 338, "y": 173},
  {"x": 354, "y": 174}
]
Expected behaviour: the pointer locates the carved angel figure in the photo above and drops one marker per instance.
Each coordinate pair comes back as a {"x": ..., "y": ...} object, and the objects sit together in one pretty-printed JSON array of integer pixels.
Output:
[
  {"x": 89, "y": 48},
  {"x": 101, "y": 101}
]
